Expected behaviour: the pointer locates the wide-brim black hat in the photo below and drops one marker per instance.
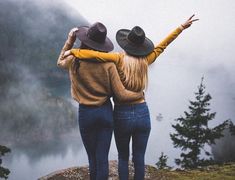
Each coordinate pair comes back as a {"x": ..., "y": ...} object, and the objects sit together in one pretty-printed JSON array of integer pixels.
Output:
[
  {"x": 134, "y": 41},
  {"x": 95, "y": 37}
]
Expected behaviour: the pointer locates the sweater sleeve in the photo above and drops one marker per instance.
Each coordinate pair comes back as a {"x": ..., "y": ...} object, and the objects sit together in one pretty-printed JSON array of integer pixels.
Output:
[
  {"x": 100, "y": 56},
  {"x": 159, "y": 48},
  {"x": 119, "y": 90},
  {"x": 66, "y": 58}
]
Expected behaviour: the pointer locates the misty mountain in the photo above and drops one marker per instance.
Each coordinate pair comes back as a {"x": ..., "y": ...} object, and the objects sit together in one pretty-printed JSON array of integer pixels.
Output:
[
  {"x": 32, "y": 35},
  {"x": 223, "y": 150},
  {"x": 35, "y": 94}
]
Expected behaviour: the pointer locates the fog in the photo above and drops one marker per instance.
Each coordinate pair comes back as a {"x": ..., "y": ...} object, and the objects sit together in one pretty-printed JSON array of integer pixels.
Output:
[
  {"x": 223, "y": 150},
  {"x": 37, "y": 113},
  {"x": 38, "y": 118},
  {"x": 205, "y": 49}
]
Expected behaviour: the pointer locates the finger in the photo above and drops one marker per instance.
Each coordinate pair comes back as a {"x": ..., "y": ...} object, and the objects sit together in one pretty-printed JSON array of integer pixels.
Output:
[
  {"x": 191, "y": 21},
  {"x": 191, "y": 17},
  {"x": 74, "y": 29},
  {"x": 195, "y": 20},
  {"x": 67, "y": 53}
]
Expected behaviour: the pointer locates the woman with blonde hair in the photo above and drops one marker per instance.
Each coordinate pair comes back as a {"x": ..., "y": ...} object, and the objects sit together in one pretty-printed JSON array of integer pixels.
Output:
[{"x": 132, "y": 119}]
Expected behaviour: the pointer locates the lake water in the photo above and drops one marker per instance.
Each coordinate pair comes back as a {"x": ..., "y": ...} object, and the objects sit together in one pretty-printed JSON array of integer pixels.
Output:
[
  {"x": 35, "y": 160},
  {"x": 31, "y": 161}
]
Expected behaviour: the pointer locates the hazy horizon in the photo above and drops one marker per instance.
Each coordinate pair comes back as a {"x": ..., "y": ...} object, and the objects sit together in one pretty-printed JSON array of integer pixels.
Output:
[
  {"x": 36, "y": 105},
  {"x": 203, "y": 50}
]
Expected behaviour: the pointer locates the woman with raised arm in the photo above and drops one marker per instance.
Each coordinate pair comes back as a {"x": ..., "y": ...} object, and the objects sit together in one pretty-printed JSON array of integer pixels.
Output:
[
  {"x": 132, "y": 120},
  {"x": 92, "y": 85}
]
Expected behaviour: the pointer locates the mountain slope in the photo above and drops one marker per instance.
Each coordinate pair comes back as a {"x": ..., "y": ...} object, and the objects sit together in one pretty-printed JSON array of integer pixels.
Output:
[{"x": 35, "y": 94}]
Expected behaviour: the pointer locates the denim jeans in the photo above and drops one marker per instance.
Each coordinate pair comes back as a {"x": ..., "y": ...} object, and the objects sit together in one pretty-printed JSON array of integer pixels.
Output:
[
  {"x": 131, "y": 121},
  {"x": 96, "y": 127}
]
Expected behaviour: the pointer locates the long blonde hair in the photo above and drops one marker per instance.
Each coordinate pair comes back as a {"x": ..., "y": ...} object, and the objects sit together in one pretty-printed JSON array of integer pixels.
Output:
[{"x": 135, "y": 71}]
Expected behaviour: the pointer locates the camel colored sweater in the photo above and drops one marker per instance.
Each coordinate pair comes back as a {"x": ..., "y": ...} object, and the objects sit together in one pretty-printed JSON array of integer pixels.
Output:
[{"x": 95, "y": 82}]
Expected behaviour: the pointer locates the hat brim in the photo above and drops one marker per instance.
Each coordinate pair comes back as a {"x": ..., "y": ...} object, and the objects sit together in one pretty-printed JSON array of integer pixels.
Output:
[
  {"x": 133, "y": 49},
  {"x": 106, "y": 46}
]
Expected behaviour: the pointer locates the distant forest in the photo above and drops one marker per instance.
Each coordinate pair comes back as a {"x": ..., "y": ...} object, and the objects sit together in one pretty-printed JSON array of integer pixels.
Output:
[{"x": 35, "y": 94}]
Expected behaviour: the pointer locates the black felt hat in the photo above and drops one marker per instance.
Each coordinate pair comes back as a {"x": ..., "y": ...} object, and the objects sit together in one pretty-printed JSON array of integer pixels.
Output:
[
  {"x": 134, "y": 41},
  {"x": 95, "y": 37}
]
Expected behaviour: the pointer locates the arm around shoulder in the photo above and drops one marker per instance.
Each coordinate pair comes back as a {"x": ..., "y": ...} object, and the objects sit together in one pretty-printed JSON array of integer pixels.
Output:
[
  {"x": 92, "y": 54},
  {"x": 121, "y": 93}
]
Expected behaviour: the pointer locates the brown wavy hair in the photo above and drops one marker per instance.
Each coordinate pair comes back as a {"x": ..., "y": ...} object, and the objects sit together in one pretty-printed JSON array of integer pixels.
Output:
[{"x": 76, "y": 62}]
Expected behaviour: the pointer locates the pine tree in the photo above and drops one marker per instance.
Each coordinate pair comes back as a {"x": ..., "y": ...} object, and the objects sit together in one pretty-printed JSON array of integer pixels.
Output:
[
  {"x": 231, "y": 128},
  {"x": 4, "y": 172},
  {"x": 193, "y": 133},
  {"x": 162, "y": 162}
]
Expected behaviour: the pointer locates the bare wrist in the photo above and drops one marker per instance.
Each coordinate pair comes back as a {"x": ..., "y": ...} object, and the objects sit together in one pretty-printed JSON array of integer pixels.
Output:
[{"x": 182, "y": 27}]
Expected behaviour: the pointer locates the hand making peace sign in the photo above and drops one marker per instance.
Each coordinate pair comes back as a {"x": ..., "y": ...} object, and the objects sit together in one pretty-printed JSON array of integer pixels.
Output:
[{"x": 189, "y": 22}]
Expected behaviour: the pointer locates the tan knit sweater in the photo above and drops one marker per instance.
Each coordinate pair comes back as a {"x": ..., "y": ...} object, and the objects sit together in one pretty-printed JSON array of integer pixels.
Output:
[{"x": 95, "y": 82}]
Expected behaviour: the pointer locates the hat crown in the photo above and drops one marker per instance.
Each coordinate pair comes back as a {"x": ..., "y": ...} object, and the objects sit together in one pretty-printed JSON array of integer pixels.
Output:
[
  {"x": 136, "y": 35},
  {"x": 97, "y": 32}
]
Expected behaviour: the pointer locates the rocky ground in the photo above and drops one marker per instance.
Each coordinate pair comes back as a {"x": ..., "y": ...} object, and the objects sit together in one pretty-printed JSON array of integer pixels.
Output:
[
  {"x": 216, "y": 172},
  {"x": 81, "y": 173}
]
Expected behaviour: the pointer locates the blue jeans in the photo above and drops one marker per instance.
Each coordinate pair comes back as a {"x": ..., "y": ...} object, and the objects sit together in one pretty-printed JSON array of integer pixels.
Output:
[
  {"x": 131, "y": 121},
  {"x": 96, "y": 127}
]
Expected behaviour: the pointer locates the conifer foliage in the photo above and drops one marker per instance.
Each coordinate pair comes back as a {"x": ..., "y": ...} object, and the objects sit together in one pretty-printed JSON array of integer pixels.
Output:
[
  {"x": 162, "y": 162},
  {"x": 4, "y": 172},
  {"x": 232, "y": 128},
  {"x": 193, "y": 133}
]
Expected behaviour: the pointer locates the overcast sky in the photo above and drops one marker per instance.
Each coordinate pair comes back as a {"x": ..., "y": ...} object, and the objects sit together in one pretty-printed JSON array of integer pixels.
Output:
[
  {"x": 158, "y": 17},
  {"x": 205, "y": 49}
]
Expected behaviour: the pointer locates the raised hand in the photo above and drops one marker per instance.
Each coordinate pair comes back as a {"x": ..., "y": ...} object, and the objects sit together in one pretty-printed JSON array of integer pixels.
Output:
[
  {"x": 72, "y": 32},
  {"x": 189, "y": 22}
]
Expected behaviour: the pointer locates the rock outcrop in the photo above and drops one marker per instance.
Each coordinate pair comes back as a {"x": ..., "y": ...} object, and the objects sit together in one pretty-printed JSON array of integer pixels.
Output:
[
  {"x": 81, "y": 173},
  {"x": 225, "y": 172}
]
